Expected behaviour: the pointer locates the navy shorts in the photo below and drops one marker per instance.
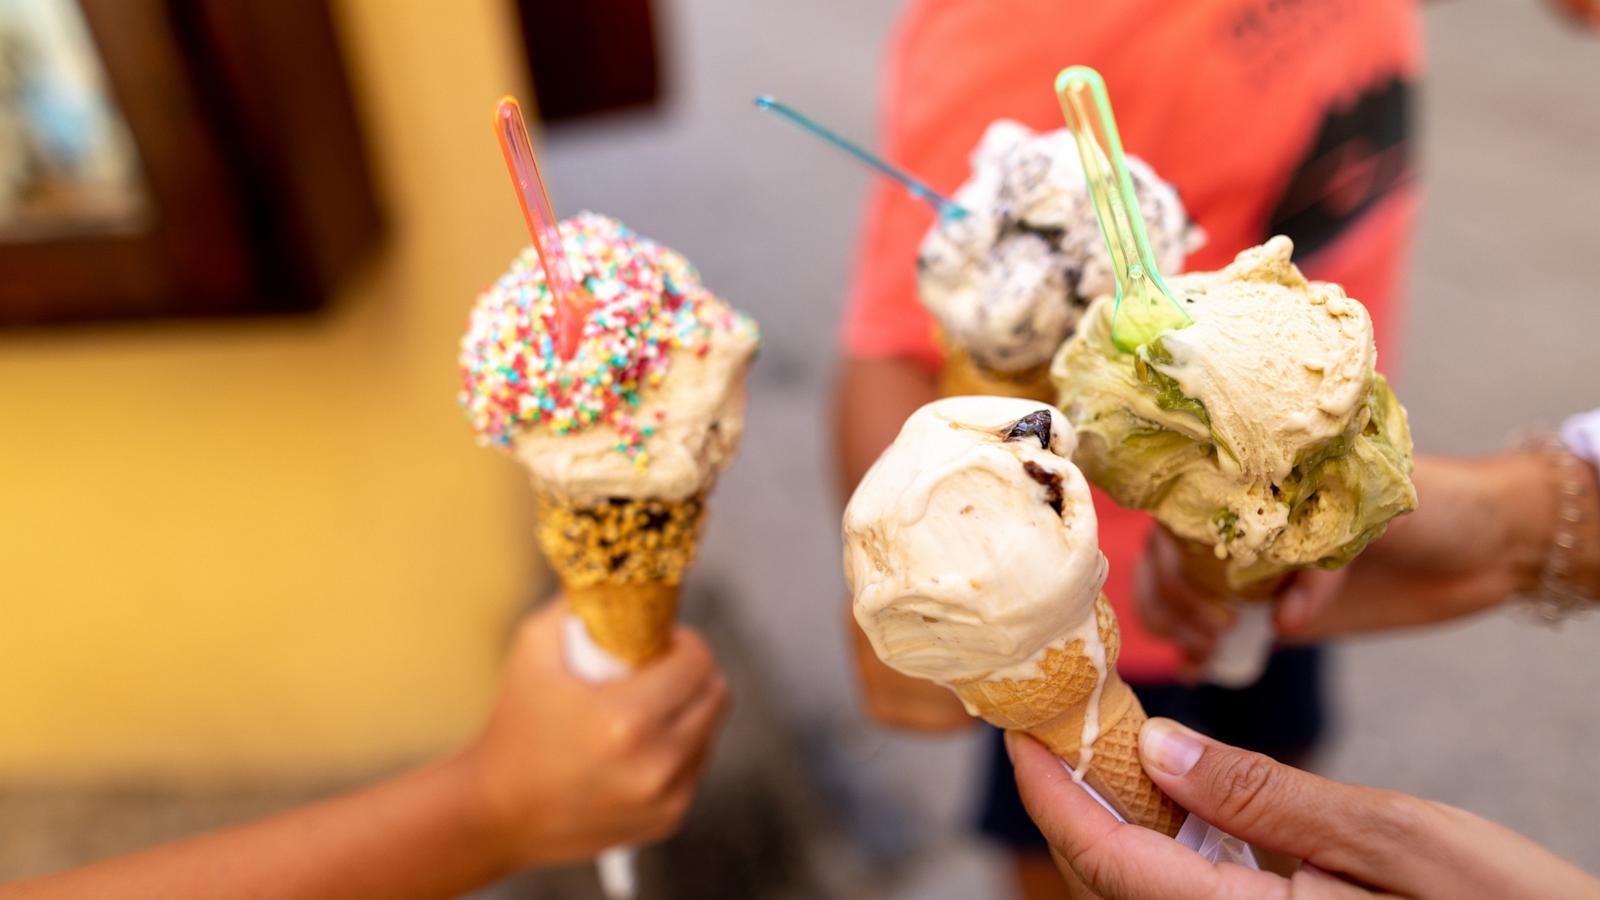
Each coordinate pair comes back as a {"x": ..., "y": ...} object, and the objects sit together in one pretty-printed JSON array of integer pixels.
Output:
[{"x": 1282, "y": 715}]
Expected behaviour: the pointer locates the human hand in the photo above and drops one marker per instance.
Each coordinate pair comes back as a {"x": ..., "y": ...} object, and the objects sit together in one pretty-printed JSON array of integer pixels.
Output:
[
  {"x": 896, "y": 700},
  {"x": 566, "y": 769},
  {"x": 1355, "y": 841},
  {"x": 1194, "y": 615},
  {"x": 1481, "y": 533}
]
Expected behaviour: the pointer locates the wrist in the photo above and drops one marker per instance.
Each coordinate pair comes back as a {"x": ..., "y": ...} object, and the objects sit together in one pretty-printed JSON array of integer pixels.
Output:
[
  {"x": 1583, "y": 503},
  {"x": 1525, "y": 488},
  {"x": 479, "y": 814},
  {"x": 1554, "y": 546}
]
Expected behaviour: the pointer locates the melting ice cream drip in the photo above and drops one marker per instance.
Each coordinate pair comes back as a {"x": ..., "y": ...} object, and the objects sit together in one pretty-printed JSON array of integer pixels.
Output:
[{"x": 1095, "y": 649}]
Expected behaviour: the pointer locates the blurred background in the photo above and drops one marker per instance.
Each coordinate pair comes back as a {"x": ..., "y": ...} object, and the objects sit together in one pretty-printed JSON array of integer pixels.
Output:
[{"x": 249, "y": 553}]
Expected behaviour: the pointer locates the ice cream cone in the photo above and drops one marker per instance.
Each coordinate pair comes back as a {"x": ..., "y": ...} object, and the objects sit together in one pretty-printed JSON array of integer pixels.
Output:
[
  {"x": 621, "y": 562},
  {"x": 1203, "y": 569},
  {"x": 1054, "y": 708},
  {"x": 962, "y": 376}
]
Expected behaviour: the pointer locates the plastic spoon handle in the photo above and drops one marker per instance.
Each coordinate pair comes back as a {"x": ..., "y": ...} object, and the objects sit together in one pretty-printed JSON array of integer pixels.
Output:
[
  {"x": 1145, "y": 308},
  {"x": 944, "y": 205},
  {"x": 570, "y": 301}
]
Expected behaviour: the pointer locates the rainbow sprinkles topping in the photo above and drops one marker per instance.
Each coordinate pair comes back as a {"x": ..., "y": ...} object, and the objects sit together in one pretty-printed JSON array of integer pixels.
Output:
[{"x": 649, "y": 303}]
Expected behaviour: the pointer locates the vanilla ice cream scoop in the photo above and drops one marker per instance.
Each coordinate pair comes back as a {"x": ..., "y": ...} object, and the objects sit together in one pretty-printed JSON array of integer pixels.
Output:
[
  {"x": 971, "y": 546},
  {"x": 1009, "y": 281}
]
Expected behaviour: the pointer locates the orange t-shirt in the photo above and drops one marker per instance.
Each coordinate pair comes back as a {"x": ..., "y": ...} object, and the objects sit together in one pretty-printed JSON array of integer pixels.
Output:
[{"x": 1270, "y": 116}]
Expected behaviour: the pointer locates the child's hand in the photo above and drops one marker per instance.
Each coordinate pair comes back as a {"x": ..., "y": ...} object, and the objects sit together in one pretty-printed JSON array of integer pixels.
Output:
[{"x": 566, "y": 769}]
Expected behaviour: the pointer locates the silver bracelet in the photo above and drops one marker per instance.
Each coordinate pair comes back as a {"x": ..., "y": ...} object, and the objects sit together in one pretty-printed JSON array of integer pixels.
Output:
[{"x": 1558, "y": 598}]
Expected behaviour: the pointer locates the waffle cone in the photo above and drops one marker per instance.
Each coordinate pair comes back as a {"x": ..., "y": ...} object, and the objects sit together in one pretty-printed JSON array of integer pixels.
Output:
[
  {"x": 1204, "y": 570},
  {"x": 1053, "y": 708},
  {"x": 621, "y": 561},
  {"x": 962, "y": 376}
]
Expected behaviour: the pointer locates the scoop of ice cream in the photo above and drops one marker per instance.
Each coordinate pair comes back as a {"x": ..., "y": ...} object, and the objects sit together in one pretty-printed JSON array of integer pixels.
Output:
[
  {"x": 1009, "y": 282},
  {"x": 652, "y": 402},
  {"x": 1261, "y": 428},
  {"x": 970, "y": 546}
]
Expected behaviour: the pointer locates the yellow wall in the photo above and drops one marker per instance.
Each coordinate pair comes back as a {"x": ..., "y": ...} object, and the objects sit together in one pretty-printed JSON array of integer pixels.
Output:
[{"x": 254, "y": 547}]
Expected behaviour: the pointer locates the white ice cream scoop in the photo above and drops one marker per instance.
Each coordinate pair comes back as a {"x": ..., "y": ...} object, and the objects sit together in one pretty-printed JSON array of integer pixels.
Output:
[{"x": 971, "y": 545}]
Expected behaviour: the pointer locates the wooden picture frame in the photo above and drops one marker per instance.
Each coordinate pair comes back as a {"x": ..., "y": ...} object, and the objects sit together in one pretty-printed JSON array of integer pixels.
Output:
[
  {"x": 247, "y": 137},
  {"x": 591, "y": 58}
]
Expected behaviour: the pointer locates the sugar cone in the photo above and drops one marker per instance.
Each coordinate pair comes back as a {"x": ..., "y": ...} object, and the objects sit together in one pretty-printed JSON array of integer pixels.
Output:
[
  {"x": 621, "y": 561},
  {"x": 1204, "y": 570},
  {"x": 962, "y": 376},
  {"x": 1052, "y": 709}
]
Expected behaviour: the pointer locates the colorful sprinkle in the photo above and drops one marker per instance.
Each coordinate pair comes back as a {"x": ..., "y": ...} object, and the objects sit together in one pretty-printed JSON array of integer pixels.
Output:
[{"x": 649, "y": 303}]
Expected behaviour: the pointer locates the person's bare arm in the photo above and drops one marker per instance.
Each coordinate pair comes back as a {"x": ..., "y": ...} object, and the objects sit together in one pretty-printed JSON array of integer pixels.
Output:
[
  {"x": 874, "y": 399},
  {"x": 415, "y": 836},
  {"x": 563, "y": 770},
  {"x": 1482, "y": 531}
]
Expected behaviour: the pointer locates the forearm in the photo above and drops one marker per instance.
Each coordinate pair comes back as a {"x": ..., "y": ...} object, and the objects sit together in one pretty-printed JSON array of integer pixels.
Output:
[
  {"x": 418, "y": 835},
  {"x": 1484, "y": 531},
  {"x": 874, "y": 398}
]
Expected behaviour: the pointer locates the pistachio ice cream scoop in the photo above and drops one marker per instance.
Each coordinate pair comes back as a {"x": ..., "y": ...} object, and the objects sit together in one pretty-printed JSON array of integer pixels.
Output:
[{"x": 1262, "y": 430}]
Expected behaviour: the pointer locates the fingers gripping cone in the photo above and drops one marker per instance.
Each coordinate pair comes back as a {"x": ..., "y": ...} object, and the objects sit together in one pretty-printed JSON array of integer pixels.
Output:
[
  {"x": 1056, "y": 708},
  {"x": 1243, "y": 649}
]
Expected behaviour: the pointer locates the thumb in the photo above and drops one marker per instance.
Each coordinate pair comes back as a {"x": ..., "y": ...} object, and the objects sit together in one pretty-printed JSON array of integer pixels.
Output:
[
  {"x": 1308, "y": 597},
  {"x": 1370, "y": 835},
  {"x": 536, "y": 643}
]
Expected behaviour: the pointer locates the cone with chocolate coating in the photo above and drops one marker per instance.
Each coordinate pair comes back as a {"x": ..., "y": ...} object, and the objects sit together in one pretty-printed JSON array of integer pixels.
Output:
[{"x": 621, "y": 562}]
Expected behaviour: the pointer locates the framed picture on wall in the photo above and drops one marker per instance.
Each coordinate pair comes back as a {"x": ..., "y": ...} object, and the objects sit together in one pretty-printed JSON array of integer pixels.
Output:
[{"x": 175, "y": 159}]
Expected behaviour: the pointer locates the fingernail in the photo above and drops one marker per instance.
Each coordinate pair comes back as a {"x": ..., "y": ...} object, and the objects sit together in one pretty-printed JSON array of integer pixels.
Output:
[
  {"x": 1169, "y": 747},
  {"x": 1011, "y": 754}
]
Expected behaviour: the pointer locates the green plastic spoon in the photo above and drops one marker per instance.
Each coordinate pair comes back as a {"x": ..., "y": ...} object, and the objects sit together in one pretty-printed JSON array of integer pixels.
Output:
[{"x": 1145, "y": 308}]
